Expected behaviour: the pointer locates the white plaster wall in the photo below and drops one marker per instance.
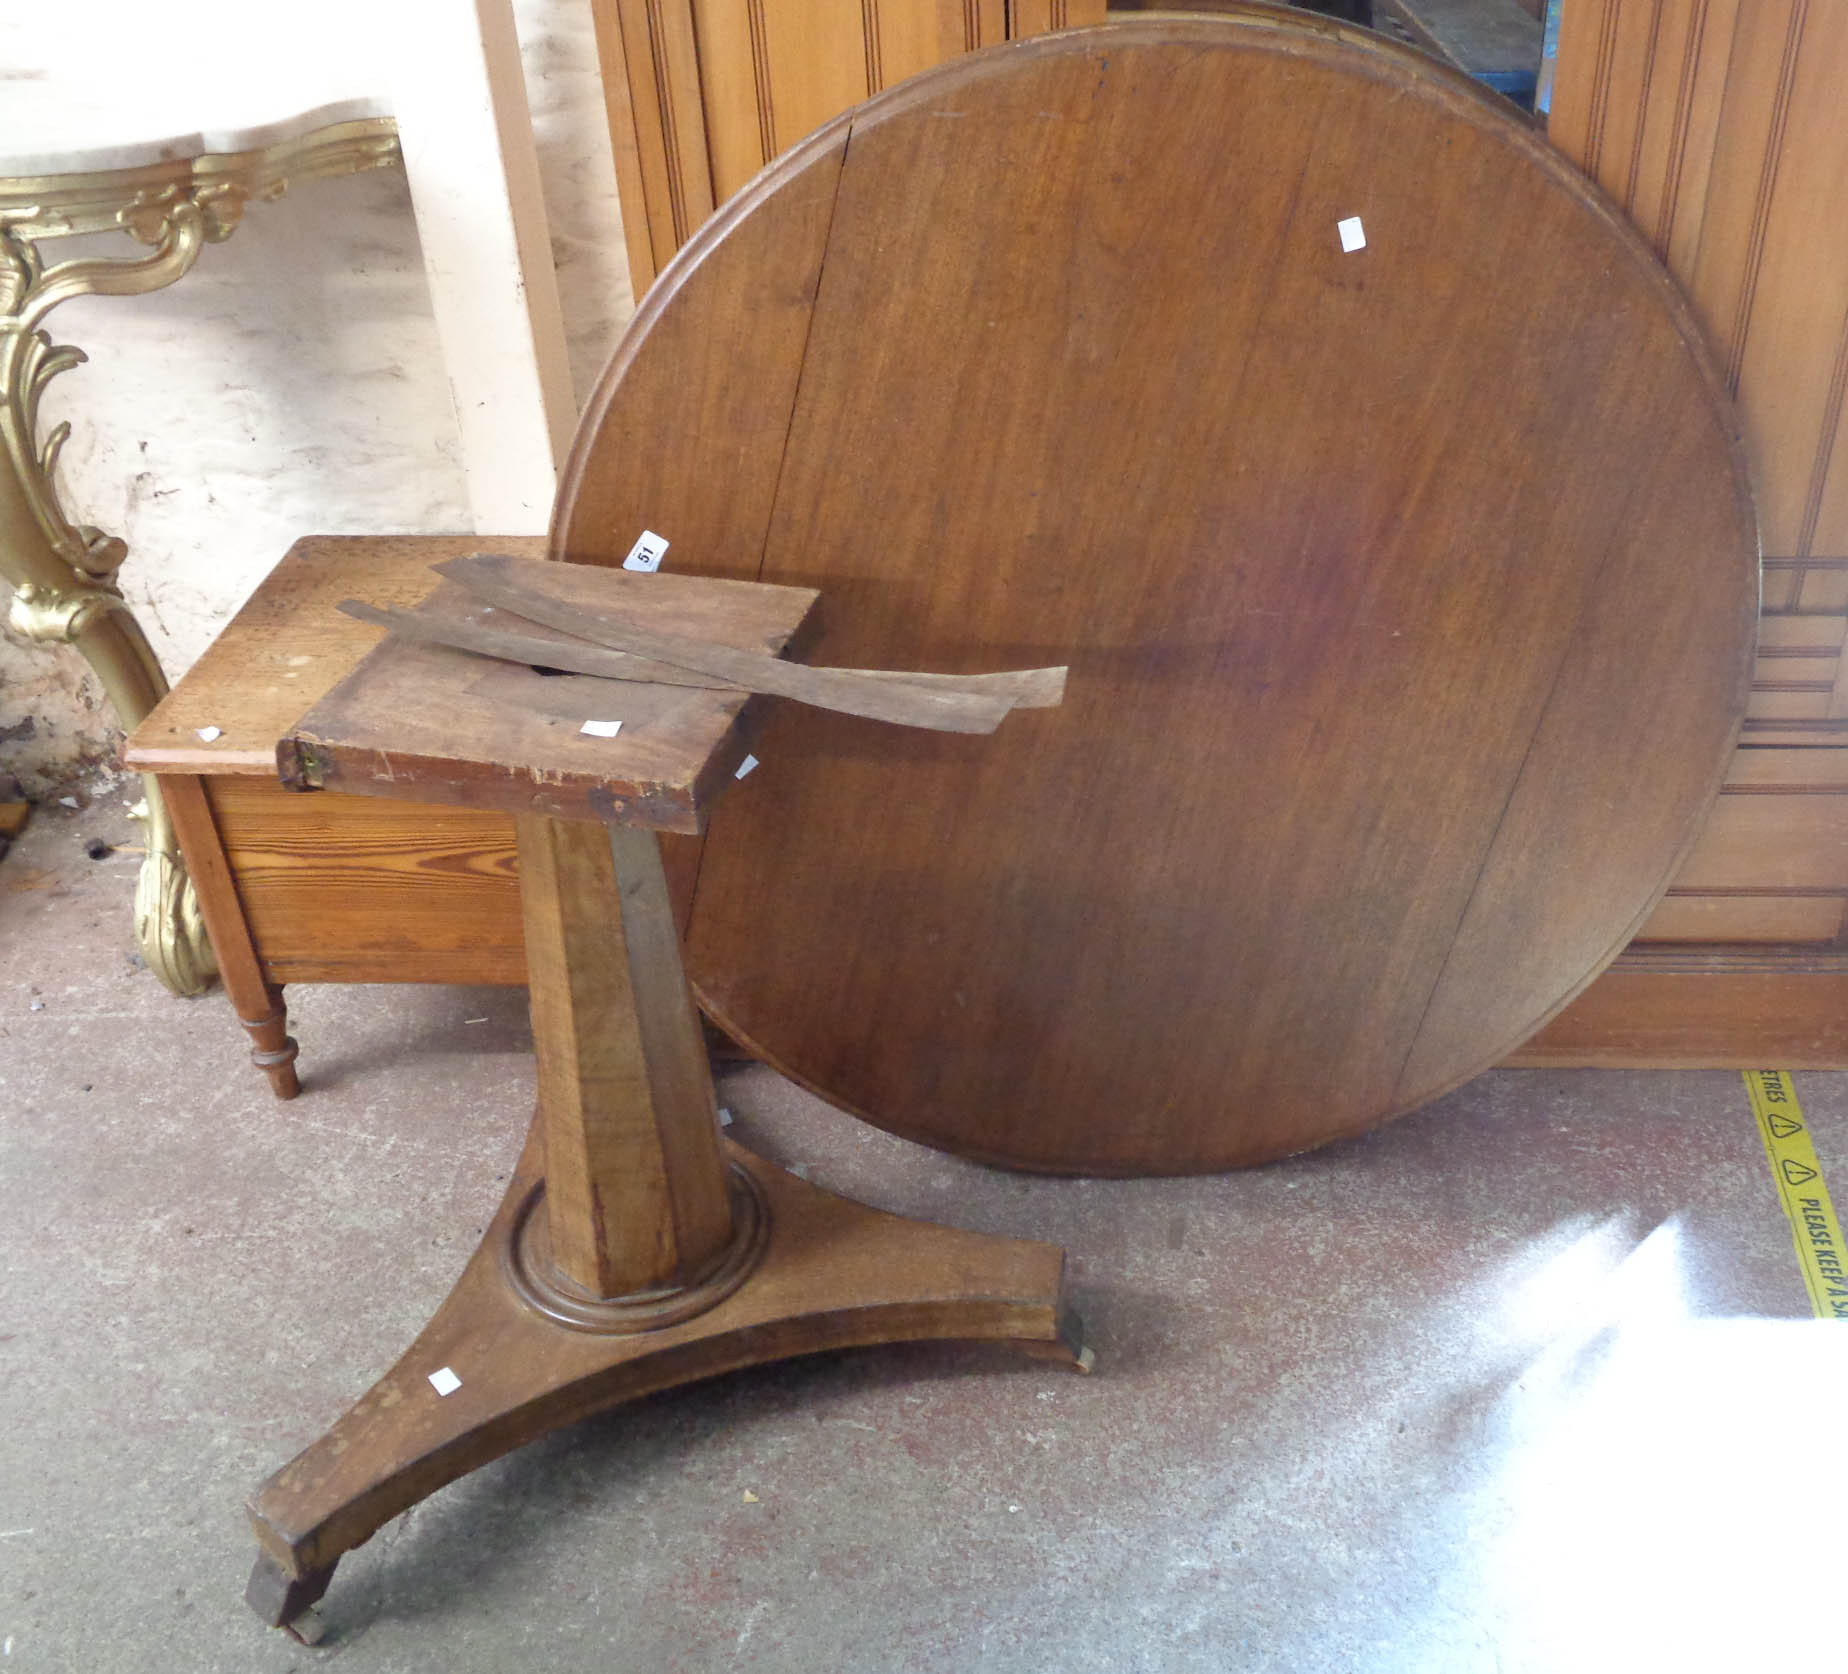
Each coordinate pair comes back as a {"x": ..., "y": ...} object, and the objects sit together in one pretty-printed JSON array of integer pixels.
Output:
[{"x": 292, "y": 383}]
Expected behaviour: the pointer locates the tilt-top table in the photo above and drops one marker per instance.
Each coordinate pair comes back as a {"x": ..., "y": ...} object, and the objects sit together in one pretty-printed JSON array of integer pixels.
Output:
[
  {"x": 635, "y": 1249},
  {"x": 1378, "y": 492},
  {"x": 1370, "y": 476}
]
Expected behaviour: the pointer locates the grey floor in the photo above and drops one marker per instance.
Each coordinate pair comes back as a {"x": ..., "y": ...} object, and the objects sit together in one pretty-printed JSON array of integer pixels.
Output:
[{"x": 1524, "y": 1382}]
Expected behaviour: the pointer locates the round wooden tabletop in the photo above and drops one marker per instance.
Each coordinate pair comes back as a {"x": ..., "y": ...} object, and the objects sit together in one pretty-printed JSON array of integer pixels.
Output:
[{"x": 1370, "y": 475}]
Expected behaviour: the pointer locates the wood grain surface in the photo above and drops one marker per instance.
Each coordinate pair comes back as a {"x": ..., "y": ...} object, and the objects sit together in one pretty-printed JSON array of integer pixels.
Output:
[
  {"x": 1407, "y": 592},
  {"x": 835, "y": 1275},
  {"x": 636, "y": 1196},
  {"x": 357, "y": 889},
  {"x": 604, "y": 638},
  {"x": 288, "y": 644},
  {"x": 1717, "y": 128},
  {"x": 701, "y": 94},
  {"x": 1666, "y": 1007},
  {"x": 425, "y": 722}
]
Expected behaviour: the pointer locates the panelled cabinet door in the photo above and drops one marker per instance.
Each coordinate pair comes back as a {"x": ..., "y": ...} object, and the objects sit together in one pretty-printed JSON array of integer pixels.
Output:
[
  {"x": 1719, "y": 130},
  {"x": 703, "y": 93}
]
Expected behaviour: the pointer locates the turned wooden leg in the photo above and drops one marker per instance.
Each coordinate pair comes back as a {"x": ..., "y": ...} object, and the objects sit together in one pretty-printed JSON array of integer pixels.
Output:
[
  {"x": 272, "y": 1047},
  {"x": 635, "y": 1250},
  {"x": 257, "y": 1002}
]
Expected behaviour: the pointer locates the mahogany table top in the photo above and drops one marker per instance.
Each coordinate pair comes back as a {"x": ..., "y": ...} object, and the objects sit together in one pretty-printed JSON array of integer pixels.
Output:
[{"x": 1371, "y": 476}]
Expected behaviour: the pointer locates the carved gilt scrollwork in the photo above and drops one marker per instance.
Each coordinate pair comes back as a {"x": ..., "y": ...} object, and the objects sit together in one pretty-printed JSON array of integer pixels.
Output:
[{"x": 62, "y": 572}]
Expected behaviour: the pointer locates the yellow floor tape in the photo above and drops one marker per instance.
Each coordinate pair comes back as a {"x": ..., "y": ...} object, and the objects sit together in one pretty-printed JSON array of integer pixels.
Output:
[{"x": 1802, "y": 1190}]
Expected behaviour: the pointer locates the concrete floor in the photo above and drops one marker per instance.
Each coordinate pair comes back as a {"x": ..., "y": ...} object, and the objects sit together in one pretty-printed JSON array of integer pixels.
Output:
[{"x": 1522, "y": 1383}]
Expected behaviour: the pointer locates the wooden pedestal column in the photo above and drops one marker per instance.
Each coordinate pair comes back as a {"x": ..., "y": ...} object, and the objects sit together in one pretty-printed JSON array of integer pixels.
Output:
[
  {"x": 635, "y": 1192},
  {"x": 635, "y": 1250}
]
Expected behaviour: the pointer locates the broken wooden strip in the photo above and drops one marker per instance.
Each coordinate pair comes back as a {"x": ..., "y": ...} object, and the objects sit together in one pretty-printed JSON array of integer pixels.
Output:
[
  {"x": 825, "y": 688},
  {"x": 598, "y": 596},
  {"x": 602, "y": 596},
  {"x": 583, "y": 658},
  {"x": 1032, "y": 688},
  {"x": 891, "y": 695},
  {"x": 1024, "y": 688},
  {"x": 573, "y": 599},
  {"x": 1029, "y": 688}
]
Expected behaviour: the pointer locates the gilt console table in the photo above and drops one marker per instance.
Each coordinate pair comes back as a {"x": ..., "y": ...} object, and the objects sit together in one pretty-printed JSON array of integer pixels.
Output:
[{"x": 172, "y": 193}]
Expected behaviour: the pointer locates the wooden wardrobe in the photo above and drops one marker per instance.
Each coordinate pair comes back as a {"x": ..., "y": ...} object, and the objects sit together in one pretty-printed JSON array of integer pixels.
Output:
[
  {"x": 1720, "y": 127},
  {"x": 703, "y": 93}
]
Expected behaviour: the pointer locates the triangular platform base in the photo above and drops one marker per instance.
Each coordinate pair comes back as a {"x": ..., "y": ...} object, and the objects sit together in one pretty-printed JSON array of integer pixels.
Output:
[{"x": 827, "y": 1273}]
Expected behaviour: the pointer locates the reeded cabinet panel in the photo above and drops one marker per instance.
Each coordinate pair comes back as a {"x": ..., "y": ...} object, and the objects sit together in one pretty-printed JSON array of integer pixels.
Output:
[
  {"x": 1720, "y": 127},
  {"x": 703, "y": 93}
]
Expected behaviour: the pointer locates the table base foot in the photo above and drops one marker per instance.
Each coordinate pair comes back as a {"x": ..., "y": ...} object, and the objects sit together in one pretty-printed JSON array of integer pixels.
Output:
[
  {"x": 492, "y": 1372},
  {"x": 287, "y": 1601}
]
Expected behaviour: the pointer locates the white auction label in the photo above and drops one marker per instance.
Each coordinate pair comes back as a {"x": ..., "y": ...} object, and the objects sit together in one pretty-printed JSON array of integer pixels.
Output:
[
  {"x": 601, "y": 729},
  {"x": 647, "y": 552},
  {"x": 1353, "y": 235}
]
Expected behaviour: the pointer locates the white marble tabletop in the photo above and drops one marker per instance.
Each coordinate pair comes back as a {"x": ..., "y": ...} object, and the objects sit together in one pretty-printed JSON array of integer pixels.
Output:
[{"x": 116, "y": 84}]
